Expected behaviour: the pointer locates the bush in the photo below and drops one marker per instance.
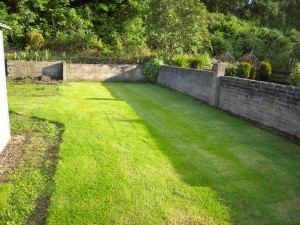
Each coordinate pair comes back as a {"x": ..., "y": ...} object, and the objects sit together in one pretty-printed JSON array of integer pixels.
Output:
[
  {"x": 231, "y": 69},
  {"x": 219, "y": 44},
  {"x": 76, "y": 42},
  {"x": 151, "y": 69},
  {"x": 244, "y": 70},
  {"x": 294, "y": 78},
  {"x": 252, "y": 73},
  {"x": 199, "y": 61},
  {"x": 181, "y": 61},
  {"x": 265, "y": 71},
  {"x": 35, "y": 40}
]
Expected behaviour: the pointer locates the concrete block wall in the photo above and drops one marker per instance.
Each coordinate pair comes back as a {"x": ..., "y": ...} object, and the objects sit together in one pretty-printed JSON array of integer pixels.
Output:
[
  {"x": 276, "y": 106},
  {"x": 19, "y": 69},
  {"x": 273, "y": 105},
  {"x": 76, "y": 72},
  {"x": 196, "y": 83},
  {"x": 104, "y": 72}
]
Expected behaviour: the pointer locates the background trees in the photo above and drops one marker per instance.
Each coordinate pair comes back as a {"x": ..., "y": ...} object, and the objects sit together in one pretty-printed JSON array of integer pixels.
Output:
[{"x": 137, "y": 29}]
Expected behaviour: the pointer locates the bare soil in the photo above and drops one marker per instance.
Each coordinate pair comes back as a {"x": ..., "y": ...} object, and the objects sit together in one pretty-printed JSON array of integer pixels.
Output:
[{"x": 12, "y": 155}]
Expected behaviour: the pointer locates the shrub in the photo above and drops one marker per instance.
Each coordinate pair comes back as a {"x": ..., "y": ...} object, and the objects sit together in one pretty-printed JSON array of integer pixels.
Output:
[
  {"x": 151, "y": 69},
  {"x": 294, "y": 78},
  {"x": 199, "y": 61},
  {"x": 265, "y": 71},
  {"x": 35, "y": 40},
  {"x": 182, "y": 61},
  {"x": 252, "y": 73},
  {"x": 76, "y": 42},
  {"x": 244, "y": 70},
  {"x": 219, "y": 44},
  {"x": 231, "y": 70}
]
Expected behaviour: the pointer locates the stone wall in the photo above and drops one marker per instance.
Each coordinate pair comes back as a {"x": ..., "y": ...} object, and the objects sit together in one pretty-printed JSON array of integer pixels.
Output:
[
  {"x": 196, "y": 83},
  {"x": 104, "y": 72},
  {"x": 273, "y": 105},
  {"x": 276, "y": 106},
  {"x": 19, "y": 69}
]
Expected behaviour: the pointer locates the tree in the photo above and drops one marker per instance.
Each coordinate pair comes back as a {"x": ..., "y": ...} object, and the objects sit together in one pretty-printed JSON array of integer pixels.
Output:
[{"x": 177, "y": 26}]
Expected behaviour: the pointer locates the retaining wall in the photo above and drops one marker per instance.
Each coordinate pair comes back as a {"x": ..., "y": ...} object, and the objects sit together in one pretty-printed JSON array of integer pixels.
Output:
[
  {"x": 75, "y": 72},
  {"x": 274, "y": 105},
  {"x": 104, "y": 72},
  {"x": 20, "y": 69}
]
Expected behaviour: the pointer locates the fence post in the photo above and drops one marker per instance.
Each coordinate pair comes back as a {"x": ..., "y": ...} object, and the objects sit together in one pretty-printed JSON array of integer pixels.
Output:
[{"x": 219, "y": 71}]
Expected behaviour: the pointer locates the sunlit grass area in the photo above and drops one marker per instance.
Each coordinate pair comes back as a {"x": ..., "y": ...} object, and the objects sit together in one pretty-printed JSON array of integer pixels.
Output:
[{"x": 144, "y": 154}]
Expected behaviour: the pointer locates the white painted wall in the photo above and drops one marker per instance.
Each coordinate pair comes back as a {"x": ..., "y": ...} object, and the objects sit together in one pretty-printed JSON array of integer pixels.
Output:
[{"x": 4, "y": 117}]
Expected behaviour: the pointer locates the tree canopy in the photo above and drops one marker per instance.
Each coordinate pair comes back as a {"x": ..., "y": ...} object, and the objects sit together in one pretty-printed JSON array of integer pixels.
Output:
[{"x": 142, "y": 28}]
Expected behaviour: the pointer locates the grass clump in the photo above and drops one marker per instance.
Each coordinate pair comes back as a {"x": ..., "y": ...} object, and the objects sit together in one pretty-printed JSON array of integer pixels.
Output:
[{"x": 200, "y": 61}]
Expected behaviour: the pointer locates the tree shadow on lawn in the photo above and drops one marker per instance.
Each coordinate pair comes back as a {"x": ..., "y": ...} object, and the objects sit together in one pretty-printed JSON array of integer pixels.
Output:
[{"x": 256, "y": 174}]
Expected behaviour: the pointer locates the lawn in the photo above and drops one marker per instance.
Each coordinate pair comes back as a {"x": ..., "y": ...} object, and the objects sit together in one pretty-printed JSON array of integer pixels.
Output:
[{"x": 144, "y": 154}]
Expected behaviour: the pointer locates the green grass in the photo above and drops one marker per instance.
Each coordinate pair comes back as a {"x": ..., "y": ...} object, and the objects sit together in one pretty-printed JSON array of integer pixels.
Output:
[
  {"x": 143, "y": 154},
  {"x": 32, "y": 182}
]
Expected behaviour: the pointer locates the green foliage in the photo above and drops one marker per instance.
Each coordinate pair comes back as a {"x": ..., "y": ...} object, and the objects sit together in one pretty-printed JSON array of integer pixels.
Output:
[
  {"x": 281, "y": 14},
  {"x": 76, "y": 41},
  {"x": 294, "y": 78},
  {"x": 252, "y": 73},
  {"x": 135, "y": 30},
  {"x": 199, "y": 61},
  {"x": 231, "y": 70},
  {"x": 151, "y": 69},
  {"x": 265, "y": 71},
  {"x": 244, "y": 70},
  {"x": 182, "y": 61},
  {"x": 219, "y": 44},
  {"x": 35, "y": 40},
  {"x": 29, "y": 55},
  {"x": 177, "y": 27}
]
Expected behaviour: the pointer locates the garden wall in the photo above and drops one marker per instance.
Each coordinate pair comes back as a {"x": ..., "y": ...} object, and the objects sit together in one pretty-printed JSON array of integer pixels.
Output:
[
  {"x": 196, "y": 83},
  {"x": 104, "y": 72},
  {"x": 276, "y": 106},
  {"x": 75, "y": 72},
  {"x": 34, "y": 69},
  {"x": 273, "y": 105}
]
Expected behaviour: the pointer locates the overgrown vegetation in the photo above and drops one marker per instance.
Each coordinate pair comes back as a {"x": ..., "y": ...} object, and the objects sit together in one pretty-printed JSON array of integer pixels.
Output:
[{"x": 135, "y": 31}]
